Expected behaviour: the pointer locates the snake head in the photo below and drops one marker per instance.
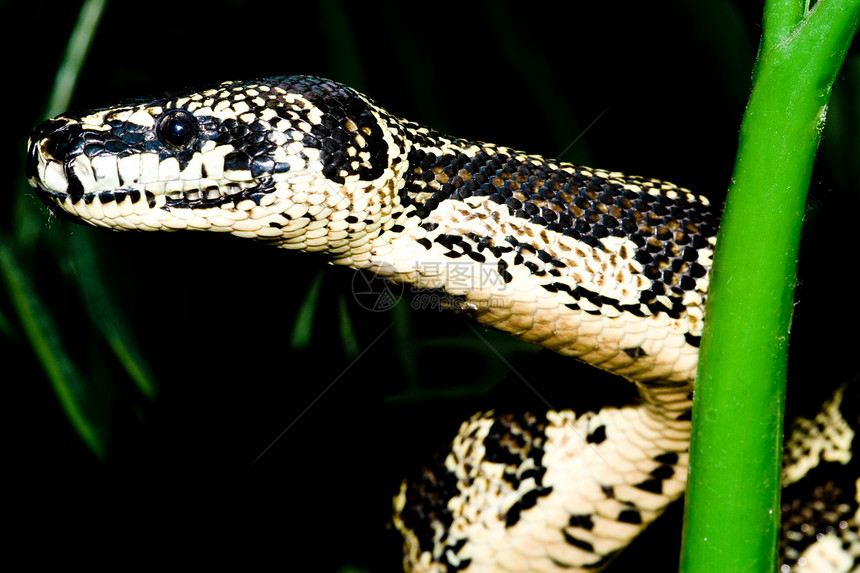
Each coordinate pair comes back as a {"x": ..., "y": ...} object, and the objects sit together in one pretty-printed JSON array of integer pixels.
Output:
[{"x": 269, "y": 159}]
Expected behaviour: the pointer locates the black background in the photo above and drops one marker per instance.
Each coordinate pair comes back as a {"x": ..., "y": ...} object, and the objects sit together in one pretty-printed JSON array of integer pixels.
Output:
[{"x": 214, "y": 315}]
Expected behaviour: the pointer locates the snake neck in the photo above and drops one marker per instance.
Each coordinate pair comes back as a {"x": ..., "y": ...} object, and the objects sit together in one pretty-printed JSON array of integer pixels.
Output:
[{"x": 609, "y": 268}]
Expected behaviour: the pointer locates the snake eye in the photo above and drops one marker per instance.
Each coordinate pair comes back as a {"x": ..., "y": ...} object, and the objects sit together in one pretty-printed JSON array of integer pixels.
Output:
[{"x": 177, "y": 129}]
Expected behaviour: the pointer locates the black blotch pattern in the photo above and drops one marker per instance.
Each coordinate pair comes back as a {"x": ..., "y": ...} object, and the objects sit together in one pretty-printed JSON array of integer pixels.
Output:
[
  {"x": 669, "y": 459},
  {"x": 663, "y": 472},
  {"x": 347, "y": 122},
  {"x": 527, "y": 501},
  {"x": 827, "y": 495},
  {"x": 503, "y": 271},
  {"x": 512, "y": 439},
  {"x": 576, "y": 542},
  {"x": 253, "y": 143},
  {"x": 685, "y": 416},
  {"x": 597, "y": 436},
  {"x": 635, "y": 352},
  {"x": 668, "y": 232},
  {"x": 427, "y": 496},
  {"x": 583, "y": 521},
  {"x": 816, "y": 505},
  {"x": 630, "y": 516},
  {"x": 651, "y": 485}
]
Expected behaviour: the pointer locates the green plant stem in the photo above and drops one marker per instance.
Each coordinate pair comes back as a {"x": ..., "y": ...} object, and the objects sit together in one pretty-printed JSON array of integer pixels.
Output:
[{"x": 732, "y": 515}]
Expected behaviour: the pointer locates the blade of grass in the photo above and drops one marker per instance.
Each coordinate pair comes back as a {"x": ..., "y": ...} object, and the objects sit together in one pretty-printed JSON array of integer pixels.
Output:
[
  {"x": 347, "y": 330},
  {"x": 105, "y": 315},
  {"x": 76, "y": 54},
  {"x": 82, "y": 398},
  {"x": 65, "y": 80},
  {"x": 732, "y": 511},
  {"x": 70, "y": 387},
  {"x": 304, "y": 323}
]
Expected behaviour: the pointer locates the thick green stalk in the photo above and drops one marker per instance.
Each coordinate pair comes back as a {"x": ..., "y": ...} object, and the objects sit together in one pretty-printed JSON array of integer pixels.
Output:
[{"x": 732, "y": 516}]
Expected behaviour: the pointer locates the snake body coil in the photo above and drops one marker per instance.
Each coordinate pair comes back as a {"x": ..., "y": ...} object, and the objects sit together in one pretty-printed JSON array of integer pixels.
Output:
[{"x": 609, "y": 268}]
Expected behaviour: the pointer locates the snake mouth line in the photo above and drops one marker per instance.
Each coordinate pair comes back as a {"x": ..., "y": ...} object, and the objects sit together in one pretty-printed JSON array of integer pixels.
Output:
[
  {"x": 91, "y": 206},
  {"x": 226, "y": 208},
  {"x": 196, "y": 198}
]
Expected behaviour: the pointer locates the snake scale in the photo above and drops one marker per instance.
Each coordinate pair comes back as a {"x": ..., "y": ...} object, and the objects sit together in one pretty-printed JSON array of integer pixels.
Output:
[{"x": 605, "y": 267}]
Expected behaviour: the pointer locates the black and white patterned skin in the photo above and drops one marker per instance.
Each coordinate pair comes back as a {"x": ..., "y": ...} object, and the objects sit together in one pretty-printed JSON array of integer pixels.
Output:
[{"x": 608, "y": 268}]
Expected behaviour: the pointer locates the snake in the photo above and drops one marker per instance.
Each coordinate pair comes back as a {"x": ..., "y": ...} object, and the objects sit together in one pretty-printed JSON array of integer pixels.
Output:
[{"x": 607, "y": 268}]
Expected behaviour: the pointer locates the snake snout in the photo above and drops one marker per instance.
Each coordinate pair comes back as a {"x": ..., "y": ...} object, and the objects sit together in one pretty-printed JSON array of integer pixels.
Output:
[
  {"x": 59, "y": 138},
  {"x": 55, "y": 140}
]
